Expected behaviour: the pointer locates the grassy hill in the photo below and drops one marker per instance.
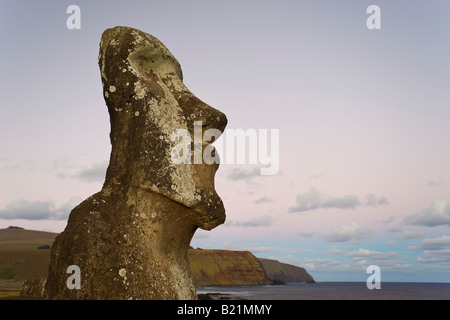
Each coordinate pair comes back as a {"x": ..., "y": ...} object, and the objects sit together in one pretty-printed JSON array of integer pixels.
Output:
[
  {"x": 20, "y": 258},
  {"x": 15, "y": 238}
]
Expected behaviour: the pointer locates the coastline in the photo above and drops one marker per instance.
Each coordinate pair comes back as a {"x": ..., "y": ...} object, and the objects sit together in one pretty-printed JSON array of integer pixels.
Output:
[
  {"x": 318, "y": 291},
  {"x": 329, "y": 291}
]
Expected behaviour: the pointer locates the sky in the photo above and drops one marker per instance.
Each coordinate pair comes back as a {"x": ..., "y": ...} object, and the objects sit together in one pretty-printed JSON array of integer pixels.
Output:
[{"x": 363, "y": 118}]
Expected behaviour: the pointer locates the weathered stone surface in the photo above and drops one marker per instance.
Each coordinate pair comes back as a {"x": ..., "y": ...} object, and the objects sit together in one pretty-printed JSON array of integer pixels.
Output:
[
  {"x": 130, "y": 240},
  {"x": 34, "y": 288}
]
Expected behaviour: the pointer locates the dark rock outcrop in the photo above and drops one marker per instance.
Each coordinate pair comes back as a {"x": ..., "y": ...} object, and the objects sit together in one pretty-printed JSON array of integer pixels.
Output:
[
  {"x": 226, "y": 268},
  {"x": 278, "y": 271},
  {"x": 130, "y": 240}
]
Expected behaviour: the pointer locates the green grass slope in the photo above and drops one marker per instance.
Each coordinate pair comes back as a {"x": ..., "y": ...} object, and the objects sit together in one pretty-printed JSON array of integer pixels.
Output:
[{"x": 14, "y": 238}]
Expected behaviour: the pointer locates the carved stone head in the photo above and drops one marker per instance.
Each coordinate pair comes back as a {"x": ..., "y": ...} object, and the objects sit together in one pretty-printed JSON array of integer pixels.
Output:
[
  {"x": 130, "y": 240},
  {"x": 147, "y": 101}
]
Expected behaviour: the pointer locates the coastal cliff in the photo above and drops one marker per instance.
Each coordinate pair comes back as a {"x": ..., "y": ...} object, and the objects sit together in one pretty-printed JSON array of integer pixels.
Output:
[
  {"x": 284, "y": 272},
  {"x": 226, "y": 268},
  {"x": 236, "y": 268}
]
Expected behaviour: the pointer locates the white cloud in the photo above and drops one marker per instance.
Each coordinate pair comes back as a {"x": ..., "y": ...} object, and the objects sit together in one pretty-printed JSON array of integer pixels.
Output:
[
  {"x": 326, "y": 264},
  {"x": 95, "y": 173},
  {"x": 200, "y": 234},
  {"x": 243, "y": 174},
  {"x": 436, "y": 250},
  {"x": 289, "y": 259},
  {"x": 314, "y": 199},
  {"x": 373, "y": 201},
  {"x": 252, "y": 248},
  {"x": 37, "y": 210},
  {"x": 394, "y": 230},
  {"x": 258, "y": 249},
  {"x": 360, "y": 260},
  {"x": 435, "y": 256},
  {"x": 435, "y": 243},
  {"x": 308, "y": 201},
  {"x": 23, "y": 209},
  {"x": 435, "y": 183},
  {"x": 261, "y": 220},
  {"x": 365, "y": 254},
  {"x": 436, "y": 215},
  {"x": 345, "y": 202},
  {"x": 258, "y": 221},
  {"x": 387, "y": 220},
  {"x": 263, "y": 200},
  {"x": 305, "y": 234},
  {"x": 412, "y": 234},
  {"x": 348, "y": 232}
]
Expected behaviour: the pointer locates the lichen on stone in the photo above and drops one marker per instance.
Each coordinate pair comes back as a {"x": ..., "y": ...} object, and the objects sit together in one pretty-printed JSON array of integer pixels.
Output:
[{"x": 150, "y": 207}]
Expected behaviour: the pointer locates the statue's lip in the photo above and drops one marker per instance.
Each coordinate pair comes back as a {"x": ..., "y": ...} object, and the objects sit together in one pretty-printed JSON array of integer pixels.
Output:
[
  {"x": 207, "y": 220},
  {"x": 197, "y": 206}
]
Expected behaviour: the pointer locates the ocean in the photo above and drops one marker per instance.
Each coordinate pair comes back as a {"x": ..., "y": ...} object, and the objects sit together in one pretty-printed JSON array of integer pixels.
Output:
[{"x": 330, "y": 291}]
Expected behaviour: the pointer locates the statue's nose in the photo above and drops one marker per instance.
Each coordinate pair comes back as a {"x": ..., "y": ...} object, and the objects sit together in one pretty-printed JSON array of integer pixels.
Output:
[
  {"x": 197, "y": 110},
  {"x": 213, "y": 118}
]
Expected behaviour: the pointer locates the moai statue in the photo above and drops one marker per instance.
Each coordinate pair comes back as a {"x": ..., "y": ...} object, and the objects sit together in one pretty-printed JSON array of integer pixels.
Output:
[{"x": 130, "y": 240}]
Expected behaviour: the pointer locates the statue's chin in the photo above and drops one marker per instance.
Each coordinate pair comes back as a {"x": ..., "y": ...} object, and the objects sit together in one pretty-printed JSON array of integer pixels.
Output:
[{"x": 210, "y": 222}]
